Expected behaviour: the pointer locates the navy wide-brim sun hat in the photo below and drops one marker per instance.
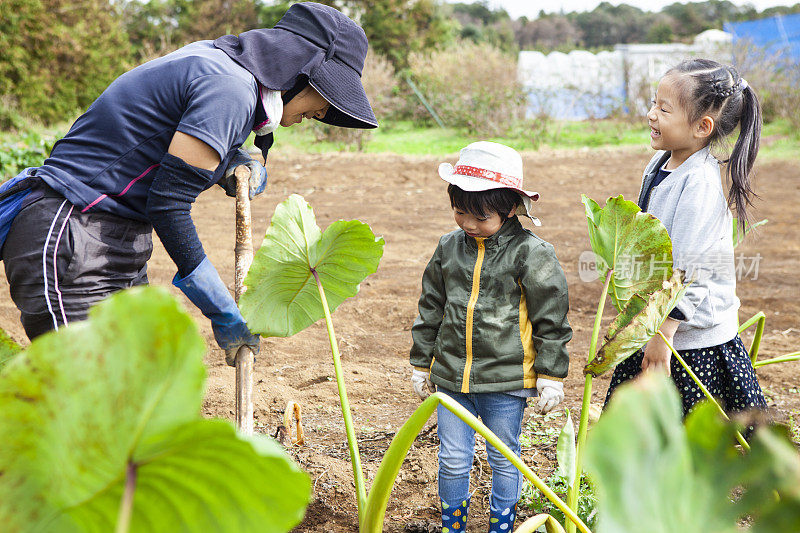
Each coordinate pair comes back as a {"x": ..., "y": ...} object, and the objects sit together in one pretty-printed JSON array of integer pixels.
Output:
[{"x": 315, "y": 41}]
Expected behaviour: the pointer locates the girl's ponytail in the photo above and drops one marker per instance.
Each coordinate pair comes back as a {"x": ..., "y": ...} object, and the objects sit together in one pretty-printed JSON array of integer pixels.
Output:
[
  {"x": 719, "y": 91},
  {"x": 744, "y": 154}
]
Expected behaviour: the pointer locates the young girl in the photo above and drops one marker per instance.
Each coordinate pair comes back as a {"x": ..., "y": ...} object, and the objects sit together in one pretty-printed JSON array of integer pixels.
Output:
[
  {"x": 698, "y": 104},
  {"x": 492, "y": 327}
]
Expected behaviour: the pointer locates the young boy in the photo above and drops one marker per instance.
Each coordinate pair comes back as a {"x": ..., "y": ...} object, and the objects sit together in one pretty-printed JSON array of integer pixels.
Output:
[{"x": 492, "y": 326}]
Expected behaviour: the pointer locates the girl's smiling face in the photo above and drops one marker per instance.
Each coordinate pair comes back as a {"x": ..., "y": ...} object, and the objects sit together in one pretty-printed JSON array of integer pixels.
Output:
[
  {"x": 670, "y": 128},
  {"x": 669, "y": 124},
  {"x": 478, "y": 227},
  {"x": 307, "y": 104}
]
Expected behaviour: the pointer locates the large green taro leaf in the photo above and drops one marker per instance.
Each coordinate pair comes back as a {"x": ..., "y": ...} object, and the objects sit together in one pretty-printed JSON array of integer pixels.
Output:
[
  {"x": 8, "y": 348},
  {"x": 636, "y": 325},
  {"x": 632, "y": 243},
  {"x": 769, "y": 473},
  {"x": 282, "y": 296},
  {"x": 655, "y": 475},
  {"x": 89, "y": 406}
]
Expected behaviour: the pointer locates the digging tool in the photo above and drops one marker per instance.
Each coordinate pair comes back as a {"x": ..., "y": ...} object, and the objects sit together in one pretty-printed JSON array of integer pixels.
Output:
[{"x": 244, "y": 256}]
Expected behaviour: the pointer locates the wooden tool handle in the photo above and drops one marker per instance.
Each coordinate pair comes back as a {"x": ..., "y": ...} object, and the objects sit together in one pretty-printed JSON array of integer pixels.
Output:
[{"x": 244, "y": 257}]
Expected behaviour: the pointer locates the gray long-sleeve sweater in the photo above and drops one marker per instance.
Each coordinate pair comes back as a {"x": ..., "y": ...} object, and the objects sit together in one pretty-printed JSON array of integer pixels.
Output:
[{"x": 691, "y": 204}]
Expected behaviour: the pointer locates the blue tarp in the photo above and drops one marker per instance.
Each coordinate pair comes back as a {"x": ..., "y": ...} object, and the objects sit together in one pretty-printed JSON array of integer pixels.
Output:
[
  {"x": 777, "y": 35},
  {"x": 573, "y": 104}
]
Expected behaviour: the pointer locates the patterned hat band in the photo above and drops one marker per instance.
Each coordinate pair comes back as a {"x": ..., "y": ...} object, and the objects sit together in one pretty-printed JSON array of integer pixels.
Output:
[
  {"x": 486, "y": 165},
  {"x": 497, "y": 177}
]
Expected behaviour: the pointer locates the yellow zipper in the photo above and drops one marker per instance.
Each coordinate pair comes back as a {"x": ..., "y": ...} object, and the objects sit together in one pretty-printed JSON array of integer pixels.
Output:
[{"x": 473, "y": 299}]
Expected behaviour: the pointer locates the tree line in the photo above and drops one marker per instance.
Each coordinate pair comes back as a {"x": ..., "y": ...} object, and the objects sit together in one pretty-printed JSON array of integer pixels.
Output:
[
  {"x": 604, "y": 26},
  {"x": 56, "y": 56}
]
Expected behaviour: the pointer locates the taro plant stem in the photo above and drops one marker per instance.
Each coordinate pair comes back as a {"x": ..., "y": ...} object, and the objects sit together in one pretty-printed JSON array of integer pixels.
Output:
[
  {"x": 393, "y": 459},
  {"x": 794, "y": 356},
  {"x": 126, "y": 506},
  {"x": 703, "y": 388},
  {"x": 759, "y": 319},
  {"x": 574, "y": 490},
  {"x": 532, "y": 525},
  {"x": 352, "y": 443}
]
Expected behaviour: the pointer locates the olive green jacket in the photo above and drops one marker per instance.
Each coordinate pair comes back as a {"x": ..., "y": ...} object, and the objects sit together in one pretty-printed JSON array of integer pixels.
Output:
[{"x": 493, "y": 312}]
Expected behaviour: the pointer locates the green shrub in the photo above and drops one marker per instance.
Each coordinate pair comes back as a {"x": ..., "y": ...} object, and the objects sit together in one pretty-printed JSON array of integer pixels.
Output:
[
  {"x": 29, "y": 150},
  {"x": 774, "y": 77},
  {"x": 471, "y": 86},
  {"x": 380, "y": 85},
  {"x": 10, "y": 117},
  {"x": 58, "y": 56}
]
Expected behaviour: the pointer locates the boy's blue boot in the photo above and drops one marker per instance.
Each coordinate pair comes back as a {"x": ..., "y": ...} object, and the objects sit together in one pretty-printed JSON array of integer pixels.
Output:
[
  {"x": 502, "y": 521},
  {"x": 454, "y": 515}
]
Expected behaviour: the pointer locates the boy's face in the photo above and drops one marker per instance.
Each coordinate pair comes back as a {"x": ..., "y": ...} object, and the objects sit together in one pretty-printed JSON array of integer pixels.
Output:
[{"x": 476, "y": 226}]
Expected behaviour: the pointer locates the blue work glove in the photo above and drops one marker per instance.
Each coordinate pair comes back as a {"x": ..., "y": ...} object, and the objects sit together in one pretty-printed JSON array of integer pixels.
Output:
[
  {"x": 258, "y": 174},
  {"x": 206, "y": 290}
]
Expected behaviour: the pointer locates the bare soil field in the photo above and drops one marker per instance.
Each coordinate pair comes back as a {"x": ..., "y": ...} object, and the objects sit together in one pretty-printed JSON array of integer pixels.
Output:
[{"x": 403, "y": 199}]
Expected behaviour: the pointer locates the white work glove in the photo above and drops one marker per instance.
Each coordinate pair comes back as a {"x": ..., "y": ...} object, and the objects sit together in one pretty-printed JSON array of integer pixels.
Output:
[
  {"x": 421, "y": 381},
  {"x": 551, "y": 393}
]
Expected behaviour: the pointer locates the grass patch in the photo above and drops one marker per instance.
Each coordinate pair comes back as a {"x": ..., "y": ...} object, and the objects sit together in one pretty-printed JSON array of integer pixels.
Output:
[
  {"x": 405, "y": 138},
  {"x": 779, "y": 139},
  {"x": 597, "y": 134}
]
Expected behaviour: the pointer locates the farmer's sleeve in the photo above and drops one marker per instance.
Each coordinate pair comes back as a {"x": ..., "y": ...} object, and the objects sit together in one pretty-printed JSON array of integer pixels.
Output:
[
  {"x": 431, "y": 312},
  {"x": 218, "y": 108},
  {"x": 547, "y": 298},
  {"x": 169, "y": 203}
]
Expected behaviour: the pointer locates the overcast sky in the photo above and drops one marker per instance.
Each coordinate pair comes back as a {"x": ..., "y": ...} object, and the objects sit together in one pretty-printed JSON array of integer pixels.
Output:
[{"x": 530, "y": 8}]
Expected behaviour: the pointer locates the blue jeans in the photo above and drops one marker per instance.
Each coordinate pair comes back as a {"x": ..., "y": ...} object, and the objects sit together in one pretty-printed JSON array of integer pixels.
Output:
[{"x": 502, "y": 413}]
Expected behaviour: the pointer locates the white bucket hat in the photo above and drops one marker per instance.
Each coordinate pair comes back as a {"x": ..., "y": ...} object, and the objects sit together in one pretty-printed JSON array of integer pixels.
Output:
[{"x": 485, "y": 165}]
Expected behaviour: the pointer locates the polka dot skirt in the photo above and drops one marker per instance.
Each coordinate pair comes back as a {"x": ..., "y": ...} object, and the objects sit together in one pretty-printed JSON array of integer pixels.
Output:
[{"x": 725, "y": 370}]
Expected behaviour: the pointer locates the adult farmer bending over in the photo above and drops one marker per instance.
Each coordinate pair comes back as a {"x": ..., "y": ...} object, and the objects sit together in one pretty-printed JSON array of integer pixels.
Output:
[{"x": 155, "y": 139}]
